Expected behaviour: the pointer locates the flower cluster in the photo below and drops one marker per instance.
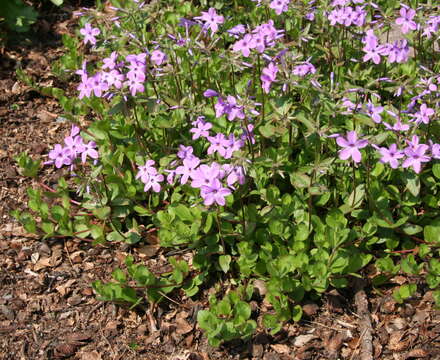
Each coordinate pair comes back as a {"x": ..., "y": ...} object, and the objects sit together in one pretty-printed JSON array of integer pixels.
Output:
[
  {"x": 73, "y": 149},
  {"x": 262, "y": 37},
  {"x": 279, "y": 6},
  {"x": 130, "y": 73},
  {"x": 149, "y": 176},
  {"x": 347, "y": 15},
  {"x": 398, "y": 52}
]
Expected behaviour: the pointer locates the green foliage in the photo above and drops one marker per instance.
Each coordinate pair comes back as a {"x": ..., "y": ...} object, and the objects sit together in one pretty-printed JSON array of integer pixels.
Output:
[
  {"x": 228, "y": 318},
  {"x": 16, "y": 15},
  {"x": 302, "y": 222},
  {"x": 27, "y": 166}
]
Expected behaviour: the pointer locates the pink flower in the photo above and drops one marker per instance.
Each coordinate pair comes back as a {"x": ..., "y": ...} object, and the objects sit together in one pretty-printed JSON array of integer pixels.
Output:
[
  {"x": 351, "y": 146},
  {"x": 89, "y": 33},
  {"x": 406, "y": 20},
  {"x": 211, "y": 19}
]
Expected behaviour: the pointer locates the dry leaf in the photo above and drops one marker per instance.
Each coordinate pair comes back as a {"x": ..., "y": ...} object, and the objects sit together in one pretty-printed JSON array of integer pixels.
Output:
[
  {"x": 281, "y": 348},
  {"x": 42, "y": 263},
  {"x": 301, "y": 340},
  {"x": 182, "y": 326},
  {"x": 396, "y": 343},
  {"x": 148, "y": 250},
  {"x": 90, "y": 355},
  {"x": 65, "y": 288},
  {"x": 65, "y": 350},
  {"x": 78, "y": 338},
  {"x": 417, "y": 353}
]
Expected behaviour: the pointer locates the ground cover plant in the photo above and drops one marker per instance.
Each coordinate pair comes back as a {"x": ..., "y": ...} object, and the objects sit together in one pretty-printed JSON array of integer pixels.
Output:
[{"x": 289, "y": 143}]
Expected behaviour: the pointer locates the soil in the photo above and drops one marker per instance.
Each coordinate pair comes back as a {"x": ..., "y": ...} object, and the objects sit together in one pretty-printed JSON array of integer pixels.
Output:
[{"x": 48, "y": 309}]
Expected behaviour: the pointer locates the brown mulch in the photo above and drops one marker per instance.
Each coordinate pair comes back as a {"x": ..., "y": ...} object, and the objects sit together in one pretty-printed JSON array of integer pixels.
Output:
[{"x": 48, "y": 309}]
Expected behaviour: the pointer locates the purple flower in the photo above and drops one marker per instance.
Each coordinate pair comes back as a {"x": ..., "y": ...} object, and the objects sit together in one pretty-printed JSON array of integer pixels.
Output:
[
  {"x": 237, "y": 30},
  {"x": 398, "y": 126},
  {"x": 158, "y": 57},
  {"x": 110, "y": 62},
  {"x": 211, "y": 19},
  {"x": 200, "y": 129},
  {"x": 435, "y": 150},
  {"x": 415, "y": 154},
  {"x": 248, "y": 134},
  {"x": 406, "y": 20},
  {"x": 153, "y": 182},
  {"x": 89, "y": 33},
  {"x": 89, "y": 150},
  {"x": 234, "y": 174},
  {"x": 371, "y": 48},
  {"x": 229, "y": 107},
  {"x": 210, "y": 93},
  {"x": 113, "y": 78},
  {"x": 423, "y": 115},
  {"x": 244, "y": 45},
  {"x": 204, "y": 175},
  {"x": 374, "y": 112},
  {"x": 186, "y": 170},
  {"x": 390, "y": 155},
  {"x": 433, "y": 25},
  {"x": 214, "y": 193},
  {"x": 304, "y": 69},
  {"x": 97, "y": 85},
  {"x": 74, "y": 145},
  {"x": 351, "y": 146},
  {"x": 219, "y": 143},
  {"x": 60, "y": 156},
  {"x": 135, "y": 86},
  {"x": 279, "y": 6},
  {"x": 398, "y": 52},
  {"x": 268, "y": 76},
  {"x": 85, "y": 87},
  {"x": 185, "y": 152},
  {"x": 145, "y": 171}
]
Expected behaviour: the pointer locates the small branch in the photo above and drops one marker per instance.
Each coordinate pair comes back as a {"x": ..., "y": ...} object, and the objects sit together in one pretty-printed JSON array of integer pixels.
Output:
[{"x": 366, "y": 329}]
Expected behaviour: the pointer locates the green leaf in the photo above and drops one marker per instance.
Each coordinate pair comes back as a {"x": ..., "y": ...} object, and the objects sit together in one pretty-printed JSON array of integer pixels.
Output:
[
  {"x": 242, "y": 310},
  {"x": 404, "y": 292},
  {"x": 225, "y": 262},
  {"x": 436, "y": 170},
  {"x": 272, "y": 322},
  {"x": 432, "y": 232},
  {"x": 207, "y": 321},
  {"x": 58, "y": 2},
  {"x": 102, "y": 213},
  {"x": 114, "y": 236},
  {"x": 300, "y": 180},
  {"x": 297, "y": 313},
  {"x": 119, "y": 275}
]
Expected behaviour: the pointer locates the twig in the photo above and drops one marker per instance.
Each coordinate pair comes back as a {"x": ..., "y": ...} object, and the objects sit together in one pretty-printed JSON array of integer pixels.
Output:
[
  {"x": 68, "y": 254},
  {"x": 366, "y": 339}
]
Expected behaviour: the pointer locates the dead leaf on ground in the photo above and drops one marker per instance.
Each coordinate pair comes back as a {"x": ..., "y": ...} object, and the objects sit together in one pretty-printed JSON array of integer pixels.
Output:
[
  {"x": 281, "y": 348},
  {"x": 90, "y": 355},
  {"x": 64, "y": 350},
  {"x": 79, "y": 337},
  {"x": 417, "y": 353},
  {"x": 301, "y": 340},
  {"x": 148, "y": 250},
  {"x": 396, "y": 343},
  {"x": 182, "y": 326}
]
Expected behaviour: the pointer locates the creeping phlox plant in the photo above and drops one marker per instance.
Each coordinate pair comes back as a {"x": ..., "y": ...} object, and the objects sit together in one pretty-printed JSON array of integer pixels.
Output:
[{"x": 289, "y": 142}]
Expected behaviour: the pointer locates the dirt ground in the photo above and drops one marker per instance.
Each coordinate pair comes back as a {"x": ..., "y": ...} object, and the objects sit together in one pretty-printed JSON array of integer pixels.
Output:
[{"x": 48, "y": 309}]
